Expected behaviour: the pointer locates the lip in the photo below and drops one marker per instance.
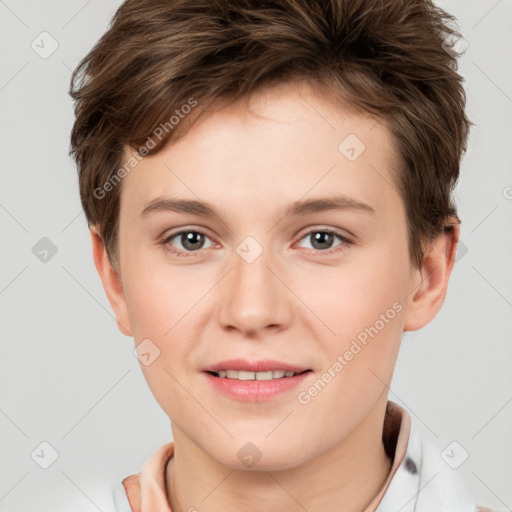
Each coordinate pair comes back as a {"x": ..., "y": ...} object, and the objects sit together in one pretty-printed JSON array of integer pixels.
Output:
[
  {"x": 254, "y": 366},
  {"x": 254, "y": 390}
]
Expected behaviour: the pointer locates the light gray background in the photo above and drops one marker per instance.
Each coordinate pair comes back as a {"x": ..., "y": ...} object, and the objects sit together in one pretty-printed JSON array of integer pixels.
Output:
[{"x": 69, "y": 377}]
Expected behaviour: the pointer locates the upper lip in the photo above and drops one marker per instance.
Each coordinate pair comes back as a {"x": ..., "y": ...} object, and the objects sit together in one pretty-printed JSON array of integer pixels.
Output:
[{"x": 254, "y": 366}]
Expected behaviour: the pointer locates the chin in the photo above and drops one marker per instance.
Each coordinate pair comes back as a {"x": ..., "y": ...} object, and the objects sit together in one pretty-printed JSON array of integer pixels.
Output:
[{"x": 257, "y": 455}]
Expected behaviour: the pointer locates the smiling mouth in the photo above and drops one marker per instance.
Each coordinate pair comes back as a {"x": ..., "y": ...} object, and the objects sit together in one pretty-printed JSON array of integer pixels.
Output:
[{"x": 247, "y": 375}]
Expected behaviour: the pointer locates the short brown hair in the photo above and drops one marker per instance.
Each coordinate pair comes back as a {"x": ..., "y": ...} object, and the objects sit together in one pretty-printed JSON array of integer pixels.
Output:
[{"x": 389, "y": 58}]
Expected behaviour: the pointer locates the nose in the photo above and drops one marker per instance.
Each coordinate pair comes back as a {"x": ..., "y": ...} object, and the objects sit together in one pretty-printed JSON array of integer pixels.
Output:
[{"x": 253, "y": 296}]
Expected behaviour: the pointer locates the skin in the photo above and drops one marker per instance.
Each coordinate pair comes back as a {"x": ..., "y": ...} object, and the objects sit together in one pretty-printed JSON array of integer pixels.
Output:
[{"x": 293, "y": 303}]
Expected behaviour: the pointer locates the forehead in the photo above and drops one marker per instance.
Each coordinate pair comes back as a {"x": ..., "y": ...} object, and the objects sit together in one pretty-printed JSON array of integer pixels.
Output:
[{"x": 293, "y": 141}]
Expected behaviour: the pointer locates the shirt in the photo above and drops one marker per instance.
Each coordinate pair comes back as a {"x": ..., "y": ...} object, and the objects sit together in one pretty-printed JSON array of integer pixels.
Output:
[{"x": 419, "y": 480}]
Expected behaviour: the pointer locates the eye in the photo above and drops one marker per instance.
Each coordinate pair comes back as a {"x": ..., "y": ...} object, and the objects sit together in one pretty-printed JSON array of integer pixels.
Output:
[
  {"x": 322, "y": 239},
  {"x": 191, "y": 240}
]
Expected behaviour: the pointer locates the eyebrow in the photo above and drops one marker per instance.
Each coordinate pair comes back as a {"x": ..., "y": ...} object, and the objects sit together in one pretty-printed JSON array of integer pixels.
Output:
[{"x": 298, "y": 208}]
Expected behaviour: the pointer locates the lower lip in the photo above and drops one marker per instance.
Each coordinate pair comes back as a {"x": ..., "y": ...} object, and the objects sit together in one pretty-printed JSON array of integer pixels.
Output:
[{"x": 255, "y": 390}]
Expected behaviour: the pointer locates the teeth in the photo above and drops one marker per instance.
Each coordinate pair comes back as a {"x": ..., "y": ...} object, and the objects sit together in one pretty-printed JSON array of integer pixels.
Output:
[{"x": 245, "y": 375}]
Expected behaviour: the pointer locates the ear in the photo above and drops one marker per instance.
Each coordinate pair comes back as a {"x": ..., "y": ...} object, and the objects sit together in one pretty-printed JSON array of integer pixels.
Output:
[
  {"x": 430, "y": 281},
  {"x": 111, "y": 282}
]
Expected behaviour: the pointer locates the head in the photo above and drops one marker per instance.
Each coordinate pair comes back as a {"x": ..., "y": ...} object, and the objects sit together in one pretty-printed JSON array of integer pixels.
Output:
[{"x": 268, "y": 113}]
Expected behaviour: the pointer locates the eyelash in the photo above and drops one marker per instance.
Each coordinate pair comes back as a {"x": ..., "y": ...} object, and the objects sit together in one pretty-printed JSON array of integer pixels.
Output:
[{"x": 179, "y": 253}]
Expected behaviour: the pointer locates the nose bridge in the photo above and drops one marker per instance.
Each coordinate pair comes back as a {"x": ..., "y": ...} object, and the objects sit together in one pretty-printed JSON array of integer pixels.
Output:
[{"x": 253, "y": 297}]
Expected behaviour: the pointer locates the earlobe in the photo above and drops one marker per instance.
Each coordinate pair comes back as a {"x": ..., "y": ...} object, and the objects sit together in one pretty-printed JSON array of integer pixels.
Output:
[
  {"x": 429, "y": 283},
  {"x": 111, "y": 281}
]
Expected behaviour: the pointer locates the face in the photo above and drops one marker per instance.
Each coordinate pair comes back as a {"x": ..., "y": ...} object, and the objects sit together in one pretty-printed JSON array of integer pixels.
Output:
[{"x": 304, "y": 262}]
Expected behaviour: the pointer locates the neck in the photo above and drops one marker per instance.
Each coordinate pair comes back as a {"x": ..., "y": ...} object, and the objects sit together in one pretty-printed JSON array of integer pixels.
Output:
[{"x": 344, "y": 478}]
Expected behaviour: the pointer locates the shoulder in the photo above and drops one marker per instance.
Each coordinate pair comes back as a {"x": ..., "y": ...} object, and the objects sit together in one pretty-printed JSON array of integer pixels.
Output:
[
  {"x": 108, "y": 496},
  {"x": 121, "y": 494},
  {"x": 423, "y": 472},
  {"x": 446, "y": 487},
  {"x": 131, "y": 491}
]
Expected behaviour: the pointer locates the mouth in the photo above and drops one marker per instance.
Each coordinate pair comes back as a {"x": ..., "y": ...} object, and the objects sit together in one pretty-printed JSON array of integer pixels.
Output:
[
  {"x": 249, "y": 375},
  {"x": 265, "y": 369},
  {"x": 255, "y": 381}
]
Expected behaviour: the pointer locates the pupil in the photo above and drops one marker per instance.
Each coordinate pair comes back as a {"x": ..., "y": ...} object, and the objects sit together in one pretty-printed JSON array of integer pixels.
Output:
[
  {"x": 320, "y": 237},
  {"x": 190, "y": 239}
]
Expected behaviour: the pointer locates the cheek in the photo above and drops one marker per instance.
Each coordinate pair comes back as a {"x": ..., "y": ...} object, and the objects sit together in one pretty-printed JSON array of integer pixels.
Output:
[
  {"x": 361, "y": 307},
  {"x": 158, "y": 312},
  {"x": 350, "y": 298},
  {"x": 158, "y": 293},
  {"x": 163, "y": 302},
  {"x": 365, "y": 312}
]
